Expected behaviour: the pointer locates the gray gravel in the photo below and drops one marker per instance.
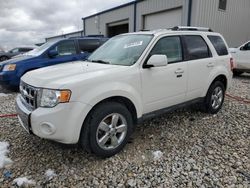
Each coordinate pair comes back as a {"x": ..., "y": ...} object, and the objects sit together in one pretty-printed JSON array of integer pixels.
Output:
[{"x": 199, "y": 150}]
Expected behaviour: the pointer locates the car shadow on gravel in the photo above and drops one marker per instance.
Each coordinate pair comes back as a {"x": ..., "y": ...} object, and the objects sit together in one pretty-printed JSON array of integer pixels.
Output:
[{"x": 245, "y": 76}]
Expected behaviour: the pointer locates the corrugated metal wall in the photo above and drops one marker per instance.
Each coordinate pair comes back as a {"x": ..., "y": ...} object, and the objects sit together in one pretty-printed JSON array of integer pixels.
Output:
[
  {"x": 98, "y": 24},
  {"x": 234, "y": 23}
]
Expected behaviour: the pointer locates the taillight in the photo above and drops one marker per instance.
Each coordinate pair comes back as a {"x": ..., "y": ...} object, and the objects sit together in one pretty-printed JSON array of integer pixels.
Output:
[{"x": 232, "y": 63}]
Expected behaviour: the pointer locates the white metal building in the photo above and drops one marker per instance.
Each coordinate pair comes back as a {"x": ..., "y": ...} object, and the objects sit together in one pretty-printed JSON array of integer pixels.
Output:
[
  {"x": 66, "y": 35},
  {"x": 229, "y": 17}
]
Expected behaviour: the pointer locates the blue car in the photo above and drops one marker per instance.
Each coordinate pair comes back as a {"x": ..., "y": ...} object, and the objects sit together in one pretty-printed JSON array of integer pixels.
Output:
[{"x": 50, "y": 53}]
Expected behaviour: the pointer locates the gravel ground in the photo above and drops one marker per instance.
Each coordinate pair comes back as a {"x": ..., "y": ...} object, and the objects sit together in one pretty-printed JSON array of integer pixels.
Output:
[{"x": 199, "y": 150}]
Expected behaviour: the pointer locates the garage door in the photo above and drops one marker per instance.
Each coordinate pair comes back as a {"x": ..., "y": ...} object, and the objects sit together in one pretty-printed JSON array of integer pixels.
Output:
[{"x": 163, "y": 20}]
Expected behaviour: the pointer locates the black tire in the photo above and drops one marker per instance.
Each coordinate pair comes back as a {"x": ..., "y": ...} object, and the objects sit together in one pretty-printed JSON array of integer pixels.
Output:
[
  {"x": 208, "y": 103},
  {"x": 237, "y": 73},
  {"x": 3, "y": 58},
  {"x": 91, "y": 126}
]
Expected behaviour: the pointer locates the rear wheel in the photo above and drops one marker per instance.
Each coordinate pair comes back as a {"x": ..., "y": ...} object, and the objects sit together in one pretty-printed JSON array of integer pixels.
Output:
[
  {"x": 215, "y": 97},
  {"x": 107, "y": 129}
]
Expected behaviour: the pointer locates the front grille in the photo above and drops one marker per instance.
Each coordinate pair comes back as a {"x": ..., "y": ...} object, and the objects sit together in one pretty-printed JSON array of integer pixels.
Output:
[{"x": 29, "y": 95}]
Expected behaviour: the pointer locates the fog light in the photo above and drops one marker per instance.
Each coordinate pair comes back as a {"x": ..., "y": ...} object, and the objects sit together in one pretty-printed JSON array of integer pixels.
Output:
[{"x": 47, "y": 128}]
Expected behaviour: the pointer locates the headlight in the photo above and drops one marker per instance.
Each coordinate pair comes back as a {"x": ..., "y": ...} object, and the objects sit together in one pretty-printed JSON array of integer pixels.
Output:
[
  {"x": 50, "y": 98},
  {"x": 10, "y": 67}
]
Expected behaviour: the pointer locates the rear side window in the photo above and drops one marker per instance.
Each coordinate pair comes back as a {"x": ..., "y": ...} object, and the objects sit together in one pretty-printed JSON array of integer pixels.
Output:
[
  {"x": 196, "y": 47},
  {"x": 88, "y": 45},
  {"x": 219, "y": 45}
]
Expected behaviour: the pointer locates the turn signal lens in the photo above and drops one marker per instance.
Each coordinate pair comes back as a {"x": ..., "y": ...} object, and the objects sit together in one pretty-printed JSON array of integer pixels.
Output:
[{"x": 64, "y": 96}]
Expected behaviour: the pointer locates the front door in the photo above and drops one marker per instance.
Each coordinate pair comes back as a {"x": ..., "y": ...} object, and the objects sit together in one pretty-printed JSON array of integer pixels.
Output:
[
  {"x": 165, "y": 86},
  {"x": 66, "y": 53}
]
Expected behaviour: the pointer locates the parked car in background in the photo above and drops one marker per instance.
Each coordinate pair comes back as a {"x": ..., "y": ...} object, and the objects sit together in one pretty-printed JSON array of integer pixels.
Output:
[
  {"x": 130, "y": 78},
  {"x": 50, "y": 53},
  {"x": 16, "y": 51},
  {"x": 241, "y": 56}
]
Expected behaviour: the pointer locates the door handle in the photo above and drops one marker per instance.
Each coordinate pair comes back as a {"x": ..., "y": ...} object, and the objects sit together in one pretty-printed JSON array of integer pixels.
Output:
[
  {"x": 179, "y": 71},
  {"x": 210, "y": 65}
]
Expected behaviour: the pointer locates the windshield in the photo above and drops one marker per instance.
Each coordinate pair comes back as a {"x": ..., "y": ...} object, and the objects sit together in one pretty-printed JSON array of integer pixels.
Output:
[
  {"x": 121, "y": 50},
  {"x": 39, "y": 50}
]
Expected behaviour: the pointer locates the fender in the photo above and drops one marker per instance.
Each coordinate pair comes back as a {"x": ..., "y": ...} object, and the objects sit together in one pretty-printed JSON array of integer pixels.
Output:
[
  {"x": 93, "y": 96},
  {"x": 221, "y": 70}
]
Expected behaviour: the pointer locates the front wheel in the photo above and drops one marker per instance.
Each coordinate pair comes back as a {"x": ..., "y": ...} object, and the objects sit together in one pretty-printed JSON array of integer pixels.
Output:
[
  {"x": 107, "y": 129},
  {"x": 215, "y": 97}
]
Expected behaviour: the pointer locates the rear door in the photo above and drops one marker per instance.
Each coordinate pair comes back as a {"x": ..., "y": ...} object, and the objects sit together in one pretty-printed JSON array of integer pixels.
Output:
[
  {"x": 200, "y": 64},
  {"x": 165, "y": 86}
]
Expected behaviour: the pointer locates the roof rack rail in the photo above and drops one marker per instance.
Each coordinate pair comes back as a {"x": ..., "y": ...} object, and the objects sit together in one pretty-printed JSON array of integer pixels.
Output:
[
  {"x": 145, "y": 30},
  {"x": 187, "y": 28}
]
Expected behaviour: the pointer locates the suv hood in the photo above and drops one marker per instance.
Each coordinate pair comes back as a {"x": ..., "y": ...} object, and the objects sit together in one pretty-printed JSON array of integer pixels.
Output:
[
  {"x": 16, "y": 59},
  {"x": 58, "y": 75}
]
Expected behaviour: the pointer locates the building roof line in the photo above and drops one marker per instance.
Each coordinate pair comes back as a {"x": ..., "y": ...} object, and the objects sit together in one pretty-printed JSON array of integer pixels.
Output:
[
  {"x": 114, "y": 8},
  {"x": 64, "y": 34}
]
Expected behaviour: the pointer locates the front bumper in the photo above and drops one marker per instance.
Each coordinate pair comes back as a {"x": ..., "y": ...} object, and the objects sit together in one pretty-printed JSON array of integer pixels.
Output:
[
  {"x": 9, "y": 78},
  {"x": 23, "y": 114},
  {"x": 62, "y": 123}
]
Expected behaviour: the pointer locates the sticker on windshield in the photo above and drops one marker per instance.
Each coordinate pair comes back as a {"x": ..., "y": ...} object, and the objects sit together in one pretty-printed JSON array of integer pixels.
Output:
[{"x": 134, "y": 44}]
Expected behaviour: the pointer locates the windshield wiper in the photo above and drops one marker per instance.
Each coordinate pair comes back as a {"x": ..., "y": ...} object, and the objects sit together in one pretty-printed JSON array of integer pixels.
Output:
[{"x": 100, "y": 61}]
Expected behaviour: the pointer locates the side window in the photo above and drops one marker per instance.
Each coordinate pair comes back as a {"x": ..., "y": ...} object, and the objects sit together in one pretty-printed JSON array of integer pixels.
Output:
[
  {"x": 169, "y": 46},
  {"x": 66, "y": 48},
  {"x": 88, "y": 45},
  {"x": 219, "y": 45},
  {"x": 14, "y": 50},
  {"x": 248, "y": 46},
  {"x": 196, "y": 47},
  {"x": 24, "y": 49}
]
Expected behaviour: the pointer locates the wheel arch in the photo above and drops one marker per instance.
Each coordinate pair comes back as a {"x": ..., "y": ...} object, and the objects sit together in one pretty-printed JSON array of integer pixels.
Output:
[
  {"x": 83, "y": 134},
  {"x": 222, "y": 78},
  {"x": 122, "y": 100}
]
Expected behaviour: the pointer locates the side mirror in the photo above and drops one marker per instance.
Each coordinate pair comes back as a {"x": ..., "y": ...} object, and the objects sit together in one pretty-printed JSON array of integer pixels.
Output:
[
  {"x": 52, "y": 53},
  {"x": 157, "y": 61}
]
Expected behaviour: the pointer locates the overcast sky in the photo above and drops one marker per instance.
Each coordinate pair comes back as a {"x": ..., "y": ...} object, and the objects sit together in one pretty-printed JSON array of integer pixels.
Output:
[{"x": 26, "y": 22}]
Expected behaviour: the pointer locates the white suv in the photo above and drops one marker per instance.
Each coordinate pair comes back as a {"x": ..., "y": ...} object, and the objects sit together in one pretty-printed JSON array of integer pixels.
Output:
[{"x": 132, "y": 77}]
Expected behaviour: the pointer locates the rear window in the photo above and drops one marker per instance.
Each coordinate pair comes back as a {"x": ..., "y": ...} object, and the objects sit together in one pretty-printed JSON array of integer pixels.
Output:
[
  {"x": 88, "y": 45},
  {"x": 218, "y": 44},
  {"x": 196, "y": 47}
]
